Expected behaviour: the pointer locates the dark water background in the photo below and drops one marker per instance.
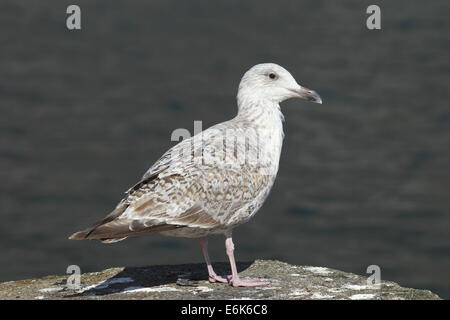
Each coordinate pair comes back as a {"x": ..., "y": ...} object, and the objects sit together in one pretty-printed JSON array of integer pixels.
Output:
[{"x": 364, "y": 178}]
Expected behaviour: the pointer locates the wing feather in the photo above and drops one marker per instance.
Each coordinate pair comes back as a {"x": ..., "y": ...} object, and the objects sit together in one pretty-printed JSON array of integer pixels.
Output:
[{"x": 177, "y": 191}]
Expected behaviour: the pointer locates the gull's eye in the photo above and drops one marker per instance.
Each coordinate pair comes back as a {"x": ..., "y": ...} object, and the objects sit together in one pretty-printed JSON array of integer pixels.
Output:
[{"x": 272, "y": 75}]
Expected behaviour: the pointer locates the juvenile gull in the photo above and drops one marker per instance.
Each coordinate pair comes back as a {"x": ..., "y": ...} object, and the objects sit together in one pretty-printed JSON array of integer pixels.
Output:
[{"x": 216, "y": 180}]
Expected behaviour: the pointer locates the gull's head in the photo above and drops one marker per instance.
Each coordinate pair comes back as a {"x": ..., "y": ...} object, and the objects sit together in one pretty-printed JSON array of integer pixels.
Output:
[{"x": 271, "y": 82}]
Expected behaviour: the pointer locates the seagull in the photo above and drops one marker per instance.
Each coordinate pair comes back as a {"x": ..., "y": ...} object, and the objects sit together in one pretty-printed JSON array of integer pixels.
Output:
[{"x": 216, "y": 180}]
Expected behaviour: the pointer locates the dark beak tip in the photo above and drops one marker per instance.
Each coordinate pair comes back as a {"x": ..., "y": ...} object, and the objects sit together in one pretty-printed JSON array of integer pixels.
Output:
[
  {"x": 314, "y": 97},
  {"x": 318, "y": 100}
]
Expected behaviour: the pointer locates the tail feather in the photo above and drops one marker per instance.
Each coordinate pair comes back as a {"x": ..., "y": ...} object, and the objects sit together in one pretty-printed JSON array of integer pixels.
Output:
[
  {"x": 112, "y": 228},
  {"x": 80, "y": 235},
  {"x": 83, "y": 235},
  {"x": 119, "y": 229}
]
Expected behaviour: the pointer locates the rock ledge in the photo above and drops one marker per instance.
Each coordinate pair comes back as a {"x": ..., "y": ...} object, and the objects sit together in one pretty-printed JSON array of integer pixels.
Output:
[{"x": 189, "y": 281}]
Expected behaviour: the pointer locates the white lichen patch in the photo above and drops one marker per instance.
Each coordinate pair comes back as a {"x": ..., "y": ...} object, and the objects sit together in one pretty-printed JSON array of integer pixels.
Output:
[
  {"x": 40, "y": 297},
  {"x": 87, "y": 288},
  {"x": 336, "y": 290},
  {"x": 109, "y": 282},
  {"x": 203, "y": 289},
  {"x": 270, "y": 288},
  {"x": 51, "y": 289},
  {"x": 319, "y": 270},
  {"x": 299, "y": 293},
  {"x": 318, "y": 287},
  {"x": 363, "y": 296},
  {"x": 295, "y": 275},
  {"x": 146, "y": 289},
  {"x": 358, "y": 287},
  {"x": 105, "y": 284},
  {"x": 318, "y": 295}
]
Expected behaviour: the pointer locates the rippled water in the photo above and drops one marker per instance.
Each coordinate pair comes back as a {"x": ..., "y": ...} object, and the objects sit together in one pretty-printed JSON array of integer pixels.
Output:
[{"x": 364, "y": 178}]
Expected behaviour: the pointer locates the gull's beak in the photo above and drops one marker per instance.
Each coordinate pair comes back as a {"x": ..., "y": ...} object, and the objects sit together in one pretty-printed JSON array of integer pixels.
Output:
[{"x": 306, "y": 94}]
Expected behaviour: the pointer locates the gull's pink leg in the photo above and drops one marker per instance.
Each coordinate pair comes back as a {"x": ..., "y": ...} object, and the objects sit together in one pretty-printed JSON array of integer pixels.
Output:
[
  {"x": 213, "y": 277},
  {"x": 235, "y": 280}
]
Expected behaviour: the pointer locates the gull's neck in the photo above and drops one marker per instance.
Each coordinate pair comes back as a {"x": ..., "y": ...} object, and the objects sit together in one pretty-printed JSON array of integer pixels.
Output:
[
  {"x": 260, "y": 112},
  {"x": 266, "y": 118}
]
